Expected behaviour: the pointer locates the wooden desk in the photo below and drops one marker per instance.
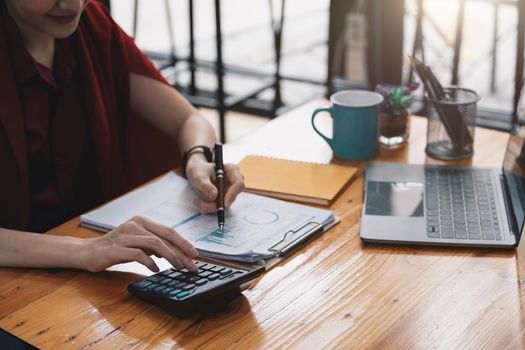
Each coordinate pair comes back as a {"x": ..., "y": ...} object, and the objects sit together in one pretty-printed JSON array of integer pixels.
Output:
[{"x": 335, "y": 292}]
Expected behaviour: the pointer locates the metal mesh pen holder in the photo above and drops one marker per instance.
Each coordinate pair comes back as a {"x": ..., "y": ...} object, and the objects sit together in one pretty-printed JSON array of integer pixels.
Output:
[{"x": 451, "y": 124}]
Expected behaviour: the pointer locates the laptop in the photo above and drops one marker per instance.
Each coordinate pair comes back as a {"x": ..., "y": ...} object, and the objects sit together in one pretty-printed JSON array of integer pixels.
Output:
[{"x": 447, "y": 205}]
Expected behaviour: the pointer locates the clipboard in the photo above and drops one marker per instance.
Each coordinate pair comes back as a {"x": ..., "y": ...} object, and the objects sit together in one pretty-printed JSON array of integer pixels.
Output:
[
  {"x": 301, "y": 235},
  {"x": 284, "y": 247},
  {"x": 291, "y": 241}
]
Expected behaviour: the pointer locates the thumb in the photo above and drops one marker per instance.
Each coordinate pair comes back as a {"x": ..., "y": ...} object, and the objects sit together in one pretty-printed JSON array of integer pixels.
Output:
[{"x": 205, "y": 189}]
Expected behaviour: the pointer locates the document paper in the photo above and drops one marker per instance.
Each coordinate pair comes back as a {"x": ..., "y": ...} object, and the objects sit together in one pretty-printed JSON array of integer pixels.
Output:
[{"x": 254, "y": 224}]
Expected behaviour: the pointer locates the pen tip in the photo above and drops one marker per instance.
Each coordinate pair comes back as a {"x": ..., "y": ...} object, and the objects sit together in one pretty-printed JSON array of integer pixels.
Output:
[{"x": 221, "y": 227}]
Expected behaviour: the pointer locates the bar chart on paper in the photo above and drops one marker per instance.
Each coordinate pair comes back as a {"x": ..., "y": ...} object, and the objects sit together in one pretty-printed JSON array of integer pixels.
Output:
[
  {"x": 218, "y": 237},
  {"x": 250, "y": 223}
]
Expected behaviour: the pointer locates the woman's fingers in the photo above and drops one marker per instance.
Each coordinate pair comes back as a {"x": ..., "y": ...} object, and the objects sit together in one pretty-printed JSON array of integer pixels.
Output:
[
  {"x": 126, "y": 254},
  {"x": 169, "y": 235},
  {"x": 205, "y": 189},
  {"x": 235, "y": 184},
  {"x": 163, "y": 241},
  {"x": 201, "y": 177},
  {"x": 157, "y": 246},
  {"x": 155, "y": 239},
  {"x": 205, "y": 207}
]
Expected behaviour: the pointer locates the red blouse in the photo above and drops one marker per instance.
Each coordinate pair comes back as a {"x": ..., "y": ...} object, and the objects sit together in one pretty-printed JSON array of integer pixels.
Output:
[
  {"x": 68, "y": 138},
  {"x": 61, "y": 162}
]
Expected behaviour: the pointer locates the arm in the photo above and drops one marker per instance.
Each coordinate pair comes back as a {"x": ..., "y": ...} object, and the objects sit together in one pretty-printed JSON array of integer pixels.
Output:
[
  {"x": 134, "y": 240},
  {"x": 162, "y": 106},
  {"x": 24, "y": 249}
]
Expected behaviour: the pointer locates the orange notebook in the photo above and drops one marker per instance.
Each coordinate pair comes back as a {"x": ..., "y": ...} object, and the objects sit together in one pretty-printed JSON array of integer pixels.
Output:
[{"x": 293, "y": 180}]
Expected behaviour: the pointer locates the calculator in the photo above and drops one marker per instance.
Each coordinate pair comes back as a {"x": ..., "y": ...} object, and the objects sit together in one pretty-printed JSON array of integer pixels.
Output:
[{"x": 184, "y": 293}]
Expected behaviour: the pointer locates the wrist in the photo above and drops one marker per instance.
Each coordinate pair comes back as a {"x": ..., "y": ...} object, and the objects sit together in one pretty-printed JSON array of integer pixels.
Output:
[
  {"x": 196, "y": 153},
  {"x": 196, "y": 157},
  {"x": 76, "y": 253},
  {"x": 56, "y": 252},
  {"x": 193, "y": 163}
]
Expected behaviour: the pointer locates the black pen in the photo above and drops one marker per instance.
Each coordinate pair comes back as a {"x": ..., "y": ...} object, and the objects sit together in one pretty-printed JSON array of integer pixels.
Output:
[{"x": 219, "y": 182}]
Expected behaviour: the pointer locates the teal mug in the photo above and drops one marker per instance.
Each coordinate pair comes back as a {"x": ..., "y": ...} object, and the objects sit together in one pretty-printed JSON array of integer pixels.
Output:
[{"x": 356, "y": 124}]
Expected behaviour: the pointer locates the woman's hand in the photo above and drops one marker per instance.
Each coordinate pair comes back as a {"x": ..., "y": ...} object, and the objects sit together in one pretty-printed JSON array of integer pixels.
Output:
[
  {"x": 136, "y": 240},
  {"x": 201, "y": 175}
]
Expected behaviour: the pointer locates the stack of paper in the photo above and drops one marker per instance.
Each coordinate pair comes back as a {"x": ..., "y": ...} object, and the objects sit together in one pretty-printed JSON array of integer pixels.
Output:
[{"x": 256, "y": 227}]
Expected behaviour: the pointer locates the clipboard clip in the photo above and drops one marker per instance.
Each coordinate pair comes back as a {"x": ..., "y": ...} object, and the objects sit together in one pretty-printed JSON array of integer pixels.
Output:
[{"x": 295, "y": 237}]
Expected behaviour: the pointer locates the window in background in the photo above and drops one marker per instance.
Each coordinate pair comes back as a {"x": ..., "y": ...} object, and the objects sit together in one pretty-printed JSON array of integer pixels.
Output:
[
  {"x": 487, "y": 58},
  {"x": 247, "y": 41}
]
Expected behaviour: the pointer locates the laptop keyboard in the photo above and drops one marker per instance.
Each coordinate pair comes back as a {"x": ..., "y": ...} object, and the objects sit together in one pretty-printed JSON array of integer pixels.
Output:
[{"x": 460, "y": 204}]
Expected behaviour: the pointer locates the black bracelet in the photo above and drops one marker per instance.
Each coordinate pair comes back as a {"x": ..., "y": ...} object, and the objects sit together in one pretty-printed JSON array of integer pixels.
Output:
[{"x": 186, "y": 155}]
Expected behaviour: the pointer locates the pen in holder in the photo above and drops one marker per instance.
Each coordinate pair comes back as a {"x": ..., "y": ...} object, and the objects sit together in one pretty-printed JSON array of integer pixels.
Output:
[{"x": 451, "y": 124}]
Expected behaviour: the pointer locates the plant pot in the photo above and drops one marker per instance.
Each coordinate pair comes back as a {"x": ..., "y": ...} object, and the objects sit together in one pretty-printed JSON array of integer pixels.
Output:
[{"x": 393, "y": 129}]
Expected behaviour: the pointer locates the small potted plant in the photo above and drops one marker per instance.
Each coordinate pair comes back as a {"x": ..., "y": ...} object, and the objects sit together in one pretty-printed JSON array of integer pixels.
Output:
[{"x": 393, "y": 119}]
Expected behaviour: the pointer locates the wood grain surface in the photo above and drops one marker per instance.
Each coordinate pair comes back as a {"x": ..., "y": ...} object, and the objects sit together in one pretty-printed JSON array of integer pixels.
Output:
[{"x": 336, "y": 292}]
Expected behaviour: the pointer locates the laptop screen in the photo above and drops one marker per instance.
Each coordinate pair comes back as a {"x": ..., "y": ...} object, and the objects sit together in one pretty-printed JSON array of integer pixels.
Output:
[{"x": 514, "y": 171}]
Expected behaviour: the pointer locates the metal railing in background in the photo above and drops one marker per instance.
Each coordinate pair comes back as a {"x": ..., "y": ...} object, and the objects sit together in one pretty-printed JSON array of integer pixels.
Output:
[
  {"x": 219, "y": 98},
  {"x": 389, "y": 41}
]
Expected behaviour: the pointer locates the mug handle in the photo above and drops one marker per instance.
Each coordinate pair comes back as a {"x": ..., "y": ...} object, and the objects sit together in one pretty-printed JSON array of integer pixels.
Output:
[{"x": 324, "y": 109}]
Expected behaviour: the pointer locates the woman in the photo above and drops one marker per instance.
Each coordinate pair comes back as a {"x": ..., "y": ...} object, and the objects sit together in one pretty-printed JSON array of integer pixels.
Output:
[{"x": 77, "y": 99}]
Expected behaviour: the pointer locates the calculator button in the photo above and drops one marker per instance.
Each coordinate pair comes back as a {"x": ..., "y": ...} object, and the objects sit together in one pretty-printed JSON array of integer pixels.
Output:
[
  {"x": 175, "y": 274},
  {"x": 154, "y": 278},
  {"x": 167, "y": 290},
  {"x": 188, "y": 278},
  {"x": 180, "y": 285},
  {"x": 142, "y": 284},
  {"x": 172, "y": 283},
  {"x": 174, "y": 292},
  {"x": 205, "y": 273},
  {"x": 158, "y": 289},
  {"x": 214, "y": 277},
  {"x": 201, "y": 282},
  {"x": 188, "y": 287},
  {"x": 191, "y": 278},
  {"x": 217, "y": 269},
  {"x": 227, "y": 276},
  {"x": 225, "y": 272},
  {"x": 182, "y": 294}
]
